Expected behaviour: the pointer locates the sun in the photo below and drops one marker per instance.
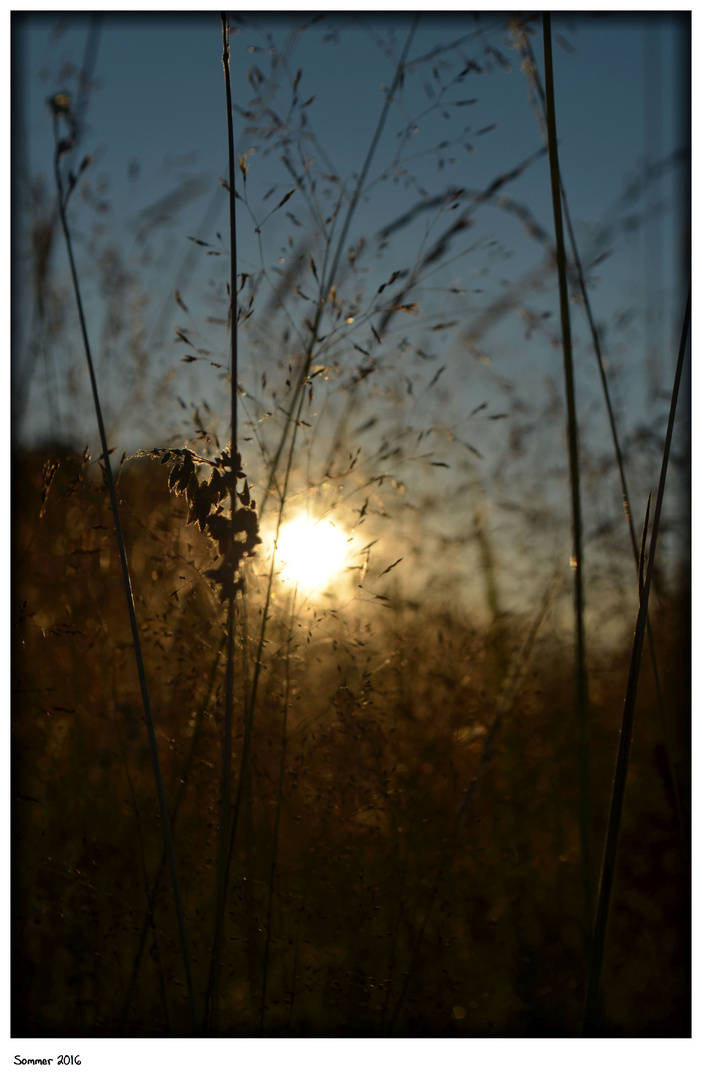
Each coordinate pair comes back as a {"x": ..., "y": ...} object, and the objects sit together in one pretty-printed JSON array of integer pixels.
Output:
[{"x": 311, "y": 554}]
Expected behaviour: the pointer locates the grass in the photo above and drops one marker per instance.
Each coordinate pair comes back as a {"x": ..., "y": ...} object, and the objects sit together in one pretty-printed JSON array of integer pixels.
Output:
[
  {"x": 61, "y": 108},
  {"x": 581, "y": 690},
  {"x": 646, "y": 564},
  {"x": 378, "y": 809}
]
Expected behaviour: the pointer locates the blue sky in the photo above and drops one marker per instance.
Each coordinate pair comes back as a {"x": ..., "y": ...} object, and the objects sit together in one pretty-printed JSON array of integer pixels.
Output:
[
  {"x": 156, "y": 125},
  {"x": 156, "y": 113},
  {"x": 159, "y": 90}
]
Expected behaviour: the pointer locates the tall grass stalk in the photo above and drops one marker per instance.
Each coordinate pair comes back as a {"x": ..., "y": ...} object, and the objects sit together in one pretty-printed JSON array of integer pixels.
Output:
[
  {"x": 617, "y": 804},
  {"x": 244, "y": 781},
  {"x": 62, "y": 109},
  {"x": 581, "y": 692},
  {"x": 225, "y": 792},
  {"x": 180, "y": 794},
  {"x": 525, "y": 47},
  {"x": 682, "y": 827},
  {"x": 37, "y": 346}
]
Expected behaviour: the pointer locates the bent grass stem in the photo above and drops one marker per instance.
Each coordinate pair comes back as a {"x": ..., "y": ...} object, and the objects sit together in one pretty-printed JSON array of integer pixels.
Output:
[{"x": 107, "y": 467}]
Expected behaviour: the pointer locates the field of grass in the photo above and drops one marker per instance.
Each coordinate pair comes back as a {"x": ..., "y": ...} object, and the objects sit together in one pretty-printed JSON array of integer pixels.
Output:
[{"x": 389, "y": 788}]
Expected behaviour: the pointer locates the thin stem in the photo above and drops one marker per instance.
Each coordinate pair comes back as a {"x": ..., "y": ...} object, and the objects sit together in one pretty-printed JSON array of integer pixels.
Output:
[
  {"x": 526, "y": 48},
  {"x": 225, "y": 791},
  {"x": 153, "y": 748},
  {"x": 234, "y": 370},
  {"x": 173, "y": 817},
  {"x": 328, "y": 279},
  {"x": 581, "y": 694},
  {"x": 232, "y": 232},
  {"x": 617, "y": 804},
  {"x": 629, "y": 517}
]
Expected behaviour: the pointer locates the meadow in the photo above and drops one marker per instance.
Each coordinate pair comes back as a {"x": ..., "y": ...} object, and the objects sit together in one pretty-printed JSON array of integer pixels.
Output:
[{"x": 351, "y": 665}]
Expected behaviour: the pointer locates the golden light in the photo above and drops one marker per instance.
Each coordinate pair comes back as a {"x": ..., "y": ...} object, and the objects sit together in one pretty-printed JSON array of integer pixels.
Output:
[{"x": 311, "y": 554}]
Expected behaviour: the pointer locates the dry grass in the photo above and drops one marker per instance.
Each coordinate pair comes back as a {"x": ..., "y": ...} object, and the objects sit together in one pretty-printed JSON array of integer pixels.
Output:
[
  {"x": 399, "y": 849},
  {"x": 386, "y": 726}
]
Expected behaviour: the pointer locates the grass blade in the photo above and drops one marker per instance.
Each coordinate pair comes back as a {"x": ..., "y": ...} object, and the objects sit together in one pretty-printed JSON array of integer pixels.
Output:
[
  {"x": 525, "y": 48},
  {"x": 61, "y": 146},
  {"x": 581, "y": 694},
  {"x": 225, "y": 792},
  {"x": 617, "y": 803}
]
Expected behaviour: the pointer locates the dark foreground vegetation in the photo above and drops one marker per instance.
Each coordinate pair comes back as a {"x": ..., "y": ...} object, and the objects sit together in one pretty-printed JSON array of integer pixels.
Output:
[{"x": 375, "y": 889}]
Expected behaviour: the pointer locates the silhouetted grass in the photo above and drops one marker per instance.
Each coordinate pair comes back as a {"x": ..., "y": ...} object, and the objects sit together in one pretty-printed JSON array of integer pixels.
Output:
[
  {"x": 380, "y": 811},
  {"x": 62, "y": 110}
]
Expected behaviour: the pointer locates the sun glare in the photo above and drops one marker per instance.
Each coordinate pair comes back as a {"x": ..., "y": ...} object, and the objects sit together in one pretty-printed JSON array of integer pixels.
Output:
[{"x": 311, "y": 554}]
